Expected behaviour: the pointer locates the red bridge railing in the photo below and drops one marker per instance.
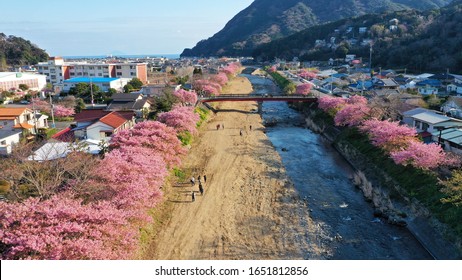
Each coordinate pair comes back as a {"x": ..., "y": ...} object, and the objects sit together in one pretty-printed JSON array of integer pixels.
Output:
[{"x": 267, "y": 97}]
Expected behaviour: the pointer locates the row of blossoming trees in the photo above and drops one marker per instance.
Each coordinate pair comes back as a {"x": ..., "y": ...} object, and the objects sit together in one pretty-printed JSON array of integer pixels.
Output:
[
  {"x": 81, "y": 207},
  {"x": 212, "y": 85},
  {"x": 400, "y": 142}
]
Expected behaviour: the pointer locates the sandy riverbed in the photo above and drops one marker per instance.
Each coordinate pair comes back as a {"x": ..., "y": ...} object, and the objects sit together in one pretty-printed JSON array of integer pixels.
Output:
[{"x": 249, "y": 209}]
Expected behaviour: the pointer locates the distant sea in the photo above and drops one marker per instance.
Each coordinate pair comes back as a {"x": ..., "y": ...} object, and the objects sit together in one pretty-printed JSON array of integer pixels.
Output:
[{"x": 169, "y": 56}]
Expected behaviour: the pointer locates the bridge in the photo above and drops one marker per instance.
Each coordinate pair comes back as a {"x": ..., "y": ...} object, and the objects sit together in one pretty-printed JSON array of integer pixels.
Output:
[{"x": 258, "y": 98}]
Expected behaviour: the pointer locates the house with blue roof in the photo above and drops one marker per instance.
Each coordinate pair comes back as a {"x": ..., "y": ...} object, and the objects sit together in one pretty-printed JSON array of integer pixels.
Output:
[
  {"x": 429, "y": 86},
  {"x": 103, "y": 83}
]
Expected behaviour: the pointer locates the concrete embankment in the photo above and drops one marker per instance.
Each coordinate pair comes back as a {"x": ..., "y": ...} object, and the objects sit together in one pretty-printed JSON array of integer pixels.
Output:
[{"x": 389, "y": 199}]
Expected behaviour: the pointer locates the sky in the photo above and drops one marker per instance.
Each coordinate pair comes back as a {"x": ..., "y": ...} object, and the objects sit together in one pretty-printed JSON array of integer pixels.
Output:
[{"x": 104, "y": 27}]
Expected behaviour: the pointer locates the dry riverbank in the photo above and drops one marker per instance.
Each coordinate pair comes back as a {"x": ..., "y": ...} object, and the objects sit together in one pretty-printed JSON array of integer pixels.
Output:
[{"x": 249, "y": 209}]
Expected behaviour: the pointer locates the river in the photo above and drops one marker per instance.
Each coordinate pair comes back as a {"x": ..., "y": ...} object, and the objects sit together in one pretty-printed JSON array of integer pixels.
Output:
[{"x": 321, "y": 178}]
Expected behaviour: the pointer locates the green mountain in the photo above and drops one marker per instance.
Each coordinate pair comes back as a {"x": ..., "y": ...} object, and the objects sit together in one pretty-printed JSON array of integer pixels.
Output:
[
  {"x": 417, "y": 41},
  {"x": 266, "y": 20},
  {"x": 18, "y": 51}
]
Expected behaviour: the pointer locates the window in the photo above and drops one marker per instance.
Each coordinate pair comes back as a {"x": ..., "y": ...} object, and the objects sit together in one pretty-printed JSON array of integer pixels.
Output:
[
  {"x": 118, "y": 67},
  {"x": 104, "y": 134},
  {"x": 119, "y": 73},
  {"x": 133, "y": 74},
  {"x": 425, "y": 126},
  {"x": 5, "y": 123},
  {"x": 99, "y": 74},
  {"x": 99, "y": 67}
]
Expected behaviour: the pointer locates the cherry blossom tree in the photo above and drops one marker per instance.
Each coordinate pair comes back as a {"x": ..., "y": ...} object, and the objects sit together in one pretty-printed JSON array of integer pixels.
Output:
[
  {"x": 421, "y": 155},
  {"x": 65, "y": 228},
  {"x": 305, "y": 74},
  {"x": 155, "y": 135},
  {"x": 207, "y": 87},
  {"x": 61, "y": 111},
  {"x": 41, "y": 105},
  {"x": 357, "y": 99},
  {"x": 331, "y": 105},
  {"x": 232, "y": 69},
  {"x": 181, "y": 119},
  {"x": 221, "y": 78},
  {"x": 303, "y": 89},
  {"x": 352, "y": 115},
  {"x": 388, "y": 135},
  {"x": 186, "y": 97}
]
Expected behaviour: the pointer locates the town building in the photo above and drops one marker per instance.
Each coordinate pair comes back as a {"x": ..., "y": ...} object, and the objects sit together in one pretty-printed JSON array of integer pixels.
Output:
[
  {"x": 12, "y": 80},
  {"x": 57, "y": 70},
  {"x": 22, "y": 119},
  {"x": 8, "y": 138},
  {"x": 103, "y": 83}
]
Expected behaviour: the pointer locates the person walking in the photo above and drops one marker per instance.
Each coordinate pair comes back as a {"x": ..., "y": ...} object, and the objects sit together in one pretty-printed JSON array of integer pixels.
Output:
[
  {"x": 218, "y": 126},
  {"x": 250, "y": 127},
  {"x": 201, "y": 189},
  {"x": 193, "y": 196},
  {"x": 205, "y": 178},
  {"x": 240, "y": 132},
  {"x": 223, "y": 126},
  {"x": 193, "y": 181}
]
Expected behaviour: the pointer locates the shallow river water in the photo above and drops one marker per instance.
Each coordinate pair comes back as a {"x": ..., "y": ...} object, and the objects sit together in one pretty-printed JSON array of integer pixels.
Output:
[{"x": 321, "y": 177}]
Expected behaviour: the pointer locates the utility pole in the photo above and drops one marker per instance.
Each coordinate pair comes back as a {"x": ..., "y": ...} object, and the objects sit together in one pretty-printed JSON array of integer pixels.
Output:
[
  {"x": 91, "y": 92},
  {"x": 52, "y": 113},
  {"x": 370, "y": 58}
]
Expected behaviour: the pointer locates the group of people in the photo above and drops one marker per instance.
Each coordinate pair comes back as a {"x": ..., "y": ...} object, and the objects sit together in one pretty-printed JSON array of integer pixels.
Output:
[
  {"x": 240, "y": 130},
  {"x": 201, "y": 188}
]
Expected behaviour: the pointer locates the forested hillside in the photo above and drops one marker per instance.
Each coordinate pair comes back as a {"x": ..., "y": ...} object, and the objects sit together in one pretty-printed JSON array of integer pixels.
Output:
[
  {"x": 417, "y": 41},
  {"x": 18, "y": 51},
  {"x": 266, "y": 20}
]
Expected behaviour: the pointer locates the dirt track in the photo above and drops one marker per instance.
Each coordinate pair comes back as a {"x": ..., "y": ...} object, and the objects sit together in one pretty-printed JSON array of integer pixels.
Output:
[{"x": 249, "y": 209}]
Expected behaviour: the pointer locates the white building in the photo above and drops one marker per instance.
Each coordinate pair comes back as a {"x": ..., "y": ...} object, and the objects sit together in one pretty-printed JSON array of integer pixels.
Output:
[
  {"x": 10, "y": 80},
  {"x": 8, "y": 139},
  {"x": 57, "y": 70},
  {"x": 21, "y": 118},
  {"x": 103, "y": 83}
]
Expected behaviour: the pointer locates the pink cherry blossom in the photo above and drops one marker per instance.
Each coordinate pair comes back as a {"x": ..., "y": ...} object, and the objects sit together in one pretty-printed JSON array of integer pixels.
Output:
[
  {"x": 181, "y": 119},
  {"x": 303, "y": 89}
]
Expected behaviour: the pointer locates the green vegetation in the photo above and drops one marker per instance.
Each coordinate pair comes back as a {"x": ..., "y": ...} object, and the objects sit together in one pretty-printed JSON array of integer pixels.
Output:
[
  {"x": 18, "y": 51},
  {"x": 203, "y": 114},
  {"x": 133, "y": 85},
  {"x": 287, "y": 86},
  {"x": 185, "y": 138},
  {"x": 267, "y": 20},
  {"x": 50, "y": 132},
  {"x": 419, "y": 184},
  {"x": 417, "y": 41}
]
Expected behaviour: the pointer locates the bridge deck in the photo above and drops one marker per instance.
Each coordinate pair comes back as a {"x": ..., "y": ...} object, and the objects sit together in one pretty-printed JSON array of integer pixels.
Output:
[{"x": 268, "y": 97}]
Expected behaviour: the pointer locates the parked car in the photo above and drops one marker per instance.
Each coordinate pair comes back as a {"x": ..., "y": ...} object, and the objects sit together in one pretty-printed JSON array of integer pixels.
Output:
[{"x": 24, "y": 102}]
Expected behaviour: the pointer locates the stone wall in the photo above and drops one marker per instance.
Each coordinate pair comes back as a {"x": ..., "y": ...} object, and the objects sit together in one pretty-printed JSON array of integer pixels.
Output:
[{"x": 389, "y": 199}]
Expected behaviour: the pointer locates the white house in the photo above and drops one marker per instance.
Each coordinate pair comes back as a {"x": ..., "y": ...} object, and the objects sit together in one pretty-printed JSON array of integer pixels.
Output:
[
  {"x": 108, "y": 125},
  {"x": 8, "y": 138},
  {"x": 21, "y": 118},
  {"x": 453, "y": 107}
]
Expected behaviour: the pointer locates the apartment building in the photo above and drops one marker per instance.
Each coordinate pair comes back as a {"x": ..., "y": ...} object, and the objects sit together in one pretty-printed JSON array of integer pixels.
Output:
[{"x": 57, "y": 70}]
